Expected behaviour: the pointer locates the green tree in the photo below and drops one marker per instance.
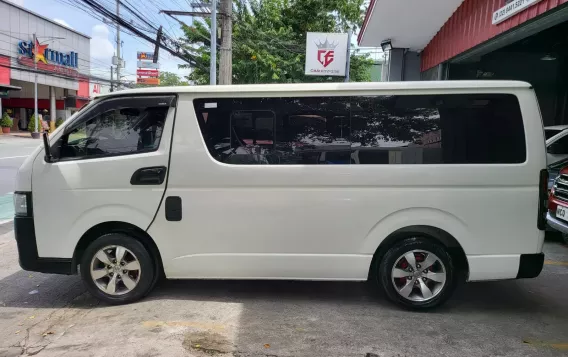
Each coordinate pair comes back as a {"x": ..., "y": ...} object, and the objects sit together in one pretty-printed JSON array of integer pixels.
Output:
[
  {"x": 171, "y": 79},
  {"x": 269, "y": 39}
]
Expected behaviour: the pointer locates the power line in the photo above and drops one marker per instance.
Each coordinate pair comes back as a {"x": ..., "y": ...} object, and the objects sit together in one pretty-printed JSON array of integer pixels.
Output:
[{"x": 186, "y": 56}]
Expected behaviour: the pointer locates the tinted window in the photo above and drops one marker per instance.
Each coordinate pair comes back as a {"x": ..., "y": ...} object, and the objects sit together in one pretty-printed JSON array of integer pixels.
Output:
[
  {"x": 551, "y": 132},
  {"x": 116, "y": 131},
  {"x": 426, "y": 129},
  {"x": 559, "y": 147}
]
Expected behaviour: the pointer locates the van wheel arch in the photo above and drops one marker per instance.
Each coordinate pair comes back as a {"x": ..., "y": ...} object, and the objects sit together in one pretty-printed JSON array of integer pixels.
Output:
[
  {"x": 432, "y": 233},
  {"x": 120, "y": 227}
]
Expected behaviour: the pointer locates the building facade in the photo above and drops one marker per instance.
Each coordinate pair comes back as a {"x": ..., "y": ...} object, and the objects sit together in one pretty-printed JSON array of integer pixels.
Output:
[
  {"x": 477, "y": 39},
  {"x": 62, "y": 57}
]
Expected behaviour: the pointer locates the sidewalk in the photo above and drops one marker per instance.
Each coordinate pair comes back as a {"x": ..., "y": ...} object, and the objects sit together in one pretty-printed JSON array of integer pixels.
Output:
[{"x": 21, "y": 134}]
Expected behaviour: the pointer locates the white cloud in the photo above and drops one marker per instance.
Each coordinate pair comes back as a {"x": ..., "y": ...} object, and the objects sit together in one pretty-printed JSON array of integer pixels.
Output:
[
  {"x": 62, "y": 23},
  {"x": 17, "y": 2},
  {"x": 101, "y": 48}
]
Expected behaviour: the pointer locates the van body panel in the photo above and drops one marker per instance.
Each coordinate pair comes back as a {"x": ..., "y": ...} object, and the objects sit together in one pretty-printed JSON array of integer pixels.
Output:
[
  {"x": 273, "y": 216},
  {"x": 92, "y": 191},
  {"x": 493, "y": 267}
]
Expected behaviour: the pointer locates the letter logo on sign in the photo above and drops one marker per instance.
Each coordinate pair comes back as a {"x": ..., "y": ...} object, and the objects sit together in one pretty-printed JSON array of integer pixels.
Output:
[{"x": 326, "y": 52}]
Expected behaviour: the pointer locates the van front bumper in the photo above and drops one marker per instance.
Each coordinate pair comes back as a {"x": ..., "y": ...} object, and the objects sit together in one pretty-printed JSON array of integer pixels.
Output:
[{"x": 24, "y": 230}]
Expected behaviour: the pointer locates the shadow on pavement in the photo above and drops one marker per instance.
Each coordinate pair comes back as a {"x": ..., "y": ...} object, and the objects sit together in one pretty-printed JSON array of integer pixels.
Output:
[{"x": 35, "y": 290}]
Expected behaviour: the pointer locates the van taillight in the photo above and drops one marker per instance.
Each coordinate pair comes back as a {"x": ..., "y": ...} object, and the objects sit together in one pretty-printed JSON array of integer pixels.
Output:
[{"x": 542, "y": 199}]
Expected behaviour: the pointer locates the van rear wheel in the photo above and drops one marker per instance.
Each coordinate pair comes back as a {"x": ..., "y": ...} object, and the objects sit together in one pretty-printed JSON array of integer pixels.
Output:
[
  {"x": 417, "y": 273},
  {"x": 117, "y": 269}
]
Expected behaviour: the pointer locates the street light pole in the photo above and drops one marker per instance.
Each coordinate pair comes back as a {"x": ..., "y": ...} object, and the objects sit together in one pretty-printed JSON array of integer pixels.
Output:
[
  {"x": 118, "y": 46},
  {"x": 213, "y": 65},
  {"x": 36, "y": 118}
]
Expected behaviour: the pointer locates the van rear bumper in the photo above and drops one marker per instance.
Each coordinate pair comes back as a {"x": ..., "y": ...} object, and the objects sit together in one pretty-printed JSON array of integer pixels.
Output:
[
  {"x": 24, "y": 230},
  {"x": 530, "y": 265},
  {"x": 503, "y": 267}
]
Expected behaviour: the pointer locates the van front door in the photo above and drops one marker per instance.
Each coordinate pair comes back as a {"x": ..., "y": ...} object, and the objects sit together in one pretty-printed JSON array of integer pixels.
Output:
[{"x": 110, "y": 166}]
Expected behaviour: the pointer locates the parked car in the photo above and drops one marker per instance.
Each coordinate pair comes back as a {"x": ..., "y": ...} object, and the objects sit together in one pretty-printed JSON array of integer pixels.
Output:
[
  {"x": 556, "y": 143},
  {"x": 554, "y": 170},
  {"x": 557, "y": 216},
  {"x": 449, "y": 181}
]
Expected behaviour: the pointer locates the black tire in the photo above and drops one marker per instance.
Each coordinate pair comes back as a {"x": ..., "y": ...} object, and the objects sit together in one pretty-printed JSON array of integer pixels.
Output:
[
  {"x": 390, "y": 258},
  {"x": 147, "y": 268},
  {"x": 565, "y": 238}
]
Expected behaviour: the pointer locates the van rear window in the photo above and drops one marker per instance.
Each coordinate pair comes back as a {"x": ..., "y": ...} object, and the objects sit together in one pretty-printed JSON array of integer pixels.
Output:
[{"x": 364, "y": 130}]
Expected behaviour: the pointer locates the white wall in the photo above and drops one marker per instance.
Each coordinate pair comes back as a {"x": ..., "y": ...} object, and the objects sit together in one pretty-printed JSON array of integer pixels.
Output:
[{"x": 17, "y": 24}]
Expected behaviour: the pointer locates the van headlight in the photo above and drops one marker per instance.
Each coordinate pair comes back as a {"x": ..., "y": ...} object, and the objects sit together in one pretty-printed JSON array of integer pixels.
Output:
[{"x": 21, "y": 205}]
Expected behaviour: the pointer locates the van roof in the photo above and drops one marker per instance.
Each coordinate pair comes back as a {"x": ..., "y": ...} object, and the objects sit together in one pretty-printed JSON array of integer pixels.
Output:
[{"x": 305, "y": 87}]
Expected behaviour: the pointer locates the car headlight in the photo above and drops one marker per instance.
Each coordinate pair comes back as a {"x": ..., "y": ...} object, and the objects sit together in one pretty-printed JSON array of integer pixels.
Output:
[{"x": 21, "y": 204}]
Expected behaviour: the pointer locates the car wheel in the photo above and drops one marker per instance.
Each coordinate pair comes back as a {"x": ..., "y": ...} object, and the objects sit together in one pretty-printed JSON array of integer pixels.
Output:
[
  {"x": 565, "y": 238},
  {"x": 117, "y": 269},
  {"x": 417, "y": 273}
]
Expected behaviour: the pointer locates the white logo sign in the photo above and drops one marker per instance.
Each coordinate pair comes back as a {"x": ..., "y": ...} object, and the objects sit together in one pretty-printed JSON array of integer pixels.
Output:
[
  {"x": 326, "y": 54},
  {"x": 511, "y": 9}
]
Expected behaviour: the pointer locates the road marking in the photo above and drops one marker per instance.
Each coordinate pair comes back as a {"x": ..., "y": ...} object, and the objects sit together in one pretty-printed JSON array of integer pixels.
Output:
[
  {"x": 12, "y": 157},
  {"x": 556, "y": 345},
  {"x": 554, "y": 262}
]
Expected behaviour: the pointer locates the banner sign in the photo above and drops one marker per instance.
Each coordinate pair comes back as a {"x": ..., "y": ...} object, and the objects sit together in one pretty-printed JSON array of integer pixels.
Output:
[
  {"x": 511, "y": 9},
  {"x": 147, "y": 73},
  {"x": 326, "y": 54},
  {"x": 144, "y": 64},
  {"x": 148, "y": 56},
  {"x": 151, "y": 81}
]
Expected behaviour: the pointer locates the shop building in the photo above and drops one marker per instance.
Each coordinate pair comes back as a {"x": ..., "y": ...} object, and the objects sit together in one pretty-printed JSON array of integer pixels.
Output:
[
  {"x": 62, "y": 56},
  {"x": 476, "y": 39}
]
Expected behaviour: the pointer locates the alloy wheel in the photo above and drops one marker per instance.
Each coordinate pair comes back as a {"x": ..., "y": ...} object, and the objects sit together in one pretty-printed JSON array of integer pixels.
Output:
[
  {"x": 418, "y": 275},
  {"x": 115, "y": 270}
]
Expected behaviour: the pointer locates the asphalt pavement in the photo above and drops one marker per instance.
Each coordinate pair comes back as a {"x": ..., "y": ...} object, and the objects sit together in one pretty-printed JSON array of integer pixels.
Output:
[
  {"x": 51, "y": 315},
  {"x": 13, "y": 152}
]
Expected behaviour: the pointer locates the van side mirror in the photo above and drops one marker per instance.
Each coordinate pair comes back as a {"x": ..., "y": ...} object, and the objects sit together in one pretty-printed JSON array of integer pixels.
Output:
[{"x": 47, "y": 149}]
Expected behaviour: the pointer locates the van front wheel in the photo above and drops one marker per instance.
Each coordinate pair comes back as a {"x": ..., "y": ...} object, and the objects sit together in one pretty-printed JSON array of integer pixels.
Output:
[
  {"x": 117, "y": 269},
  {"x": 417, "y": 273}
]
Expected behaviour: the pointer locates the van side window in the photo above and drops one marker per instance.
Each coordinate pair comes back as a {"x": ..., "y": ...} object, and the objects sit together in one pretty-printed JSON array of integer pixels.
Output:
[
  {"x": 116, "y": 131},
  {"x": 364, "y": 130}
]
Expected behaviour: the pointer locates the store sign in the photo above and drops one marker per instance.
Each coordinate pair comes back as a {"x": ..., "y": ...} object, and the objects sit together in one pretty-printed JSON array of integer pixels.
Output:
[
  {"x": 154, "y": 73},
  {"x": 41, "y": 53},
  {"x": 326, "y": 54},
  {"x": 150, "y": 81},
  {"x": 148, "y": 56},
  {"x": 512, "y": 9},
  {"x": 144, "y": 64}
]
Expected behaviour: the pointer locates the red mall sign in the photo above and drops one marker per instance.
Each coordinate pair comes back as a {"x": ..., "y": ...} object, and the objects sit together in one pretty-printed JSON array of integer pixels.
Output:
[{"x": 154, "y": 73}]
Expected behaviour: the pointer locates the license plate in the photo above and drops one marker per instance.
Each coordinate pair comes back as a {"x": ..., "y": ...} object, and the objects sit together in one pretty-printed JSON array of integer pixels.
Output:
[{"x": 562, "y": 213}]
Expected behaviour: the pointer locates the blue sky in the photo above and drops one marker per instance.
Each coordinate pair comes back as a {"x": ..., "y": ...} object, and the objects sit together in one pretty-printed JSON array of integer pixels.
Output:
[{"x": 103, "y": 42}]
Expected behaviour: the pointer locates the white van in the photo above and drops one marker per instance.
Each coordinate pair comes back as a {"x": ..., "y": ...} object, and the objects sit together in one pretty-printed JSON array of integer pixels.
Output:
[{"x": 409, "y": 185}]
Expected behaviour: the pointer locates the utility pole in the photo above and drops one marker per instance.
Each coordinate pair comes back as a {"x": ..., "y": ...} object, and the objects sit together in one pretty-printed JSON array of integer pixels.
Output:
[
  {"x": 111, "y": 79},
  {"x": 213, "y": 64},
  {"x": 348, "y": 64},
  {"x": 119, "y": 60},
  {"x": 226, "y": 60},
  {"x": 213, "y": 40},
  {"x": 36, "y": 117}
]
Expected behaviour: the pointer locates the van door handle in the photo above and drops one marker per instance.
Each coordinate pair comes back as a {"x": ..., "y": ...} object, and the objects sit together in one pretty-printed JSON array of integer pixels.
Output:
[{"x": 149, "y": 176}]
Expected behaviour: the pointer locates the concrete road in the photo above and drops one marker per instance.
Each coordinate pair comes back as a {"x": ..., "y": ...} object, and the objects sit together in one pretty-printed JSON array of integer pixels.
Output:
[
  {"x": 13, "y": 152},
  {"x": 47, "y": 315}
]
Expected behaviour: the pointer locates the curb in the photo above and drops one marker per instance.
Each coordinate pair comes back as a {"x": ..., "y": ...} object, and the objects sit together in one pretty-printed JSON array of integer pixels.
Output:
[{"x": 6, "y": 226}]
